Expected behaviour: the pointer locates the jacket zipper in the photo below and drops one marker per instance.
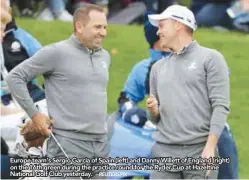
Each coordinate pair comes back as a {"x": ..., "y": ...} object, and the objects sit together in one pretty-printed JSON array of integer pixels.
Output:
[{"x": 91, "y": 59}]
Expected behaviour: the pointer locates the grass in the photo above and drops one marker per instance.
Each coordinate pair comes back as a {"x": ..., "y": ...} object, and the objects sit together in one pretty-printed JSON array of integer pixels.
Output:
[{"x": 127, "y": 46}]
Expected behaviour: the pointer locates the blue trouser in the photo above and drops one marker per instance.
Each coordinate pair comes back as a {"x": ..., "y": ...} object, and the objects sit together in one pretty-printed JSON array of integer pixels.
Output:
[
  {"x": 158, "y": 5},
  {"x": 211, "y": 14},
  {"x": 56, "y": 6},
  {"x": 227, "y": 148}
]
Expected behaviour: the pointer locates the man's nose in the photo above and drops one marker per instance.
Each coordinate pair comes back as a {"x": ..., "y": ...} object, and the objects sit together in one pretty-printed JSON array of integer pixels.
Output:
[{"x": 103, "y": 32}]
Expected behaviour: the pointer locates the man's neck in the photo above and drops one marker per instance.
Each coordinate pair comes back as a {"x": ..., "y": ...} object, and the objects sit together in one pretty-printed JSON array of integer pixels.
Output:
[
  {"x": 79, "y": 39},
  {"x": 180, "y": 44},
  {"x": 84, "y": 44}
]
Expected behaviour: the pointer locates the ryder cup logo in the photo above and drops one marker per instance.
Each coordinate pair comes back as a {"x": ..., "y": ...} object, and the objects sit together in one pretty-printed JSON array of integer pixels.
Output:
[
  {"x": 104, "y": 65},
  {"x": 192, "y": 66},
  {"x": 15, "y": 46}
]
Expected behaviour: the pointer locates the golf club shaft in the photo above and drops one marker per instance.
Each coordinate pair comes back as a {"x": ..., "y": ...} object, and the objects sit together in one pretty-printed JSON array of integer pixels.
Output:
[{"x": 60, "y": 147}]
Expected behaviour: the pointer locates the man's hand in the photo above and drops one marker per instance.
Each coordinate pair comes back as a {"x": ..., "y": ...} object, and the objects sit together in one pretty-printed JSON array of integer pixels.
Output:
[
  {"x": 245, "y": 5},
  {"x": 42, "y": 123},
  {"x": 209, "y": 150},
  {"x": 35, "y": 131},
  {"x": 152, "y": 105}
]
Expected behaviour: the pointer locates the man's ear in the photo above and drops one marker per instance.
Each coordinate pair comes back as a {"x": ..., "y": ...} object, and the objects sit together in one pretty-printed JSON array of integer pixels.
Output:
[
  {"x": 178, "y": 25},
  {"x": 79, "y": 27}
]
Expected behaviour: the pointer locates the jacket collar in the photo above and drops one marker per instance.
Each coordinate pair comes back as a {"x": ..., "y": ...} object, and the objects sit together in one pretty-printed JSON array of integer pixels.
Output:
[{"x": 187, "y": 48}]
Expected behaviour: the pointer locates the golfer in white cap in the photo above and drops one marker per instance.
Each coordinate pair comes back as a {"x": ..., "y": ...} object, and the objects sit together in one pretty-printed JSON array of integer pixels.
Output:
[{"x": 189, "y": 99}]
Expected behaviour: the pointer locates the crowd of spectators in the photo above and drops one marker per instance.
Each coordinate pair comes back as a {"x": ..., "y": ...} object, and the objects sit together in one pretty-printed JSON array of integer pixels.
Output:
[{"x": 219, "y": 14}]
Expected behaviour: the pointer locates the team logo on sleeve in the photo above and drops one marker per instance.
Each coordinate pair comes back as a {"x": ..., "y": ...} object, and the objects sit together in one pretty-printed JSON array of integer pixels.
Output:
[{"x": 15, "y": 46}]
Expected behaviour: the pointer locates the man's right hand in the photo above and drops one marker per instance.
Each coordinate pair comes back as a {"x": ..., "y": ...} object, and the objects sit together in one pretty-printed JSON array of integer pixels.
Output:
[
  {"x": 152, "y": 105},
  {"x": 42, "y": 122}
]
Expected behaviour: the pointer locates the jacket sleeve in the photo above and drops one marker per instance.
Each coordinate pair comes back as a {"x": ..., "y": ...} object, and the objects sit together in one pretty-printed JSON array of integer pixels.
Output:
[
  {"x": 218, "y": 91},
  {"x": 43, "y": 62}
]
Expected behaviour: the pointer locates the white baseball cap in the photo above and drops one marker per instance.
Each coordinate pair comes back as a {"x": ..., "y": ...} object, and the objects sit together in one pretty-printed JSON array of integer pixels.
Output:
[{"x": 176, "y": 12}]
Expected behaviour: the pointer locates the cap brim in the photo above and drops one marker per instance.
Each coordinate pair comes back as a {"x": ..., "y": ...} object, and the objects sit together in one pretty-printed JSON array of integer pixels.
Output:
[{"x": 155, "y": 18}]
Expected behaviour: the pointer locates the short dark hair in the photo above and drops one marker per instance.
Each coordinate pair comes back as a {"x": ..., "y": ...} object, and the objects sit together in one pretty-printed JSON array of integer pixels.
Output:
[{"x": 83, "y": 13}]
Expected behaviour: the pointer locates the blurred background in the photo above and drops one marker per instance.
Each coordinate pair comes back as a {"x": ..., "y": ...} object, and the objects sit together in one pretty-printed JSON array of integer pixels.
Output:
[{"x": 221, "y": 14}]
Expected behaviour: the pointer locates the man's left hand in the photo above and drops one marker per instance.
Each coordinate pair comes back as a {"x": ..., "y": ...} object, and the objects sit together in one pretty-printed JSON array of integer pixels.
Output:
[{"x": 208, "y": 152}]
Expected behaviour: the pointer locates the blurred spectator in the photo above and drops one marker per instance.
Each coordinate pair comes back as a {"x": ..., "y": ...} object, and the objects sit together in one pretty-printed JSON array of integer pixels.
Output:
[
  {"x": 18, "y": 45},
  {"x": 78, "y": 3},
  {"x": 5, "y": 16},
  {"x": 4, "y": 159},
  {"x": 210, "y": 13},
  {"x": 239, "y": 12},
  {"x": 25, "y": 7},
  {"x": 228, "y": 14},
  {"x": 56, "y": 10},
  {"x": 151, "y": 5},
  {"x": 163, "y": 4},
  {"x": 5, "y": 163},
  {"x": 158, "y": 5},
  {"x": 131, "y": 11}
]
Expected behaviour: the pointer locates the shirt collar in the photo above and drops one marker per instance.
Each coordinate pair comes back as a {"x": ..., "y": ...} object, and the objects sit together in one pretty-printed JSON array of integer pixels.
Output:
[{"x": 187, "y": 48}]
